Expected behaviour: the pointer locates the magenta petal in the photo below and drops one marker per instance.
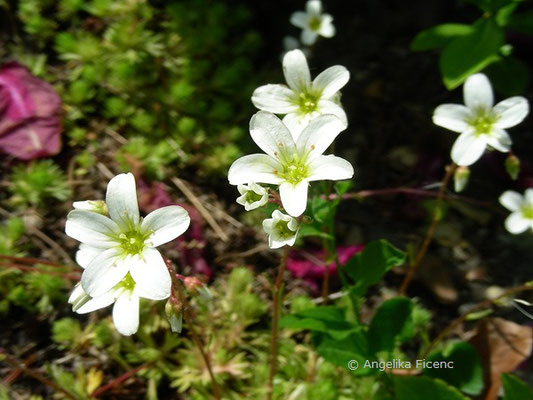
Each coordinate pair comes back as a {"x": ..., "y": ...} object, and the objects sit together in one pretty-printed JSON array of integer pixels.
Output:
[{"x": 29, "y": 114}]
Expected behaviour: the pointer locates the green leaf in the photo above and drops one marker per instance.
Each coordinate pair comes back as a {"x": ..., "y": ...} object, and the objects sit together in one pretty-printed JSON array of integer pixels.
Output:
[
  {"x": 515, "y": 389},
  {"x": 323, "y": 210},
  {"x": 342, "y": 187},
  {"x": 312, "y": 230},
  {"x": 439, "y": 36},
  {"x": 327, "y": 319},
  {"x": 340, "y": 352},
  {"x": 368, "y": 267},
  {"x": 505, "y": 13},
  {"x": 424, "y": 388},
  {"x": 466, "y": 374},
  {"x": 502, "y": 70},
  {"x": 471, "y": 53},
  {"x": 392, "y": 324}
]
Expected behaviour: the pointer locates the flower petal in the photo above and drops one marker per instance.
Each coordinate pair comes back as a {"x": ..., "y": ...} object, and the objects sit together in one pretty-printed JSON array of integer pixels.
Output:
[
  {"x": 121, "y": 200},
  {"x": 296, "y": 70},
  {"x": 327, "y": 29},
  {"x": 319, "y": 134},
  {"x": 499, "y": 140},
  {"x": 255, "y": 168},
  {"x": 274, "y": 98},
  {"x": 299, "y": 19},
  {"x": 296, "y": 123},
  {"x": 477, "y": 92},
  {"x": 468, "y": 148},
  {"x": 516, "y": 223},
  {"x": 294, "y": 197},
  {"x": 167, "y": 223},
  {"x": 511, "y": 111},
  {"x": 96, "y": 303},
  {"x": 91, "y": 228},
  {"x": 151, "y": 276},
  {"x": 452, "y": 117},
  {"x": 511, "y": 200},
  {"x": 528, "y": 194},
  {"x": 126, "y": 314},
  {"x": 313, "y": 7},
  {"x": 330, "y": 168},
  {"x": 330, "y": 107},
  {"x": 271, "y": 135},
  {"x": 86, "y": 254},
  {"x": 308, "y": 37},
  {"x": 104, "y": 272},
  {"x": 331, "y": 80}
]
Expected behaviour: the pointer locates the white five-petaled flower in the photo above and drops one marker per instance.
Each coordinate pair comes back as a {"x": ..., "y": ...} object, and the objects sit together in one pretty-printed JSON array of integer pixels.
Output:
[
  {"x": 521, "y": 207},
  {"x": 288, "y": 163},
  {"x": 282, "y": 230},
  {"x": 124, "y": 294},
  {"x": 479, "y": 123},
  {"x": 124, "y": 244},
  {"x": 252, "y": 196},
  {"x": 313, "y": 23},
  {"x": 303, "y": 99}
]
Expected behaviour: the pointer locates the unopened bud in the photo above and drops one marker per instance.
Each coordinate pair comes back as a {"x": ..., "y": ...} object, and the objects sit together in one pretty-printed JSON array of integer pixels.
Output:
[
  {"x": 97, "y": 206},
  {"x": 174, "y": 315},
  {"x": 460, "y": 178},
  {"x": 512, "y": 166},
  {"x": 195, "y": 285}
]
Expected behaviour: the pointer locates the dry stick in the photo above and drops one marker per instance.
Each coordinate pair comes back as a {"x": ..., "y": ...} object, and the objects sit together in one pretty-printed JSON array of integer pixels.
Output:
[
  {"x": 195, "y": 337},
  {"x": 485, "y": 303},
  {"x": 200, "y": 207},
  {"x": 431, "y": 230},
  {"x": 29, "y": 260},
  {"x": 275, "y": 317},
  {"x": 115, "y": 382},
  {"x": 34, "y": 374},
  {"x": 72, "y": 277},
  {"x": 50, "y": 242}
]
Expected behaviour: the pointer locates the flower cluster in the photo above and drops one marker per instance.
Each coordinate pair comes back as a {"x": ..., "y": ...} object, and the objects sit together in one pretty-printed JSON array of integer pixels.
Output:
[
  {"x": 293, "y": 146},
  {"x": 313, "y": 23},
  {"x": 118, "y": 252}
]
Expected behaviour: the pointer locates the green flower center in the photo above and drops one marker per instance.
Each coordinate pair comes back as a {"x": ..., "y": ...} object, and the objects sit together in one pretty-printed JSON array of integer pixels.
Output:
[
  {"x": 307, "y": 102},
  {"x": 252, "y": 197},
  {"x": 133, "y": 242},
  {"x": 314, "y": 23},
  {"x": 282, "y": 229},
  {"x": 295, "y": 170},
  {"x": 127, "y": 283},
  {"x": 482, "y": 123},
  {"x": 527, "y": 212}
]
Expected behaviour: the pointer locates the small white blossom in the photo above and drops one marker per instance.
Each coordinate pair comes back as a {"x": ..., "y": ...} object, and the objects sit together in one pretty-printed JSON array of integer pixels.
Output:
[
  {"x": 124, "y": 243},
  {"x": 288, "y": 163},
  {"x": 313, "y": 23},
  {"x": 303, "y": 99},
  {"x": 479, "y": 123},
  {"x": 252, "y": 196},
  {"x": 282, "y": 230},
  {"x": 521, "y": 207},
  {"x": 125, "y": 294}
]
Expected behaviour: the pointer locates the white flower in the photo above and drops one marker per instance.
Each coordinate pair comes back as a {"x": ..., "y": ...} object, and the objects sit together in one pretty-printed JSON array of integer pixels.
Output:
[
  {"x": 252, "y": 196},
  {"x": 304, "y": 99},
  {"x": 521, "y": 208},
  {"x": 479, "y": 123},
  {"x": 125, "y": 243},
  {"x": 313, "y": 22},
  {"x": 125, "y": 294},
  {"x": 97, "y": 206},
  {"x": 288, "y": 163},
  {"x": 282, "y": 230}
]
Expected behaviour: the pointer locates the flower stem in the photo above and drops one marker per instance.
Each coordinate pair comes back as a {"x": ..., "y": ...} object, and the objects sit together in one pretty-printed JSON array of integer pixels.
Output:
[
  {"x": 431, "y": 230},
  {"x": 190, "y": 326},
  {"x": 275, "y": 319}
]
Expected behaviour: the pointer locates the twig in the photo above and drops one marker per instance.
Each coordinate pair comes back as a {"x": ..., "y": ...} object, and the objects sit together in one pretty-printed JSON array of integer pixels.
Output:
[
  {"x": 485, "y": 303},
  {"x": 201, "y": 209},
  {"x": 190, "y": 326},
  {"x": 34, "y": 269},
  {"x": 275, "y": 317},
  {"x": 29, "y": 260},
  {"x": 117, "y": 381},
  {"x": 34, "y": 374},
  {"x": 41, "y": 235},
  {"x": 430, "y": 232}
]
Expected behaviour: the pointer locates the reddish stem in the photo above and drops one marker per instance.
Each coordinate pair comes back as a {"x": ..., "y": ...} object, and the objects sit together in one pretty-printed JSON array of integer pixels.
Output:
[{"x": 117, "y": 381}]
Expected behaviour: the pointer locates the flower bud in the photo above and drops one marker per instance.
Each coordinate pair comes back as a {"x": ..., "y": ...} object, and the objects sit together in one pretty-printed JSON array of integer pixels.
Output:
[
  {"x": 460, "y": 178},
  {"x": 512, "y": 166},
  {"x": 174, "y": 315},
  {"x": 196, "y": 286}
]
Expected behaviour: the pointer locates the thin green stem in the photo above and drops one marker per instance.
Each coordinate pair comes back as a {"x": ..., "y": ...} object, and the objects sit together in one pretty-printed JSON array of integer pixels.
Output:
[{"x": 276, "y": 293}]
